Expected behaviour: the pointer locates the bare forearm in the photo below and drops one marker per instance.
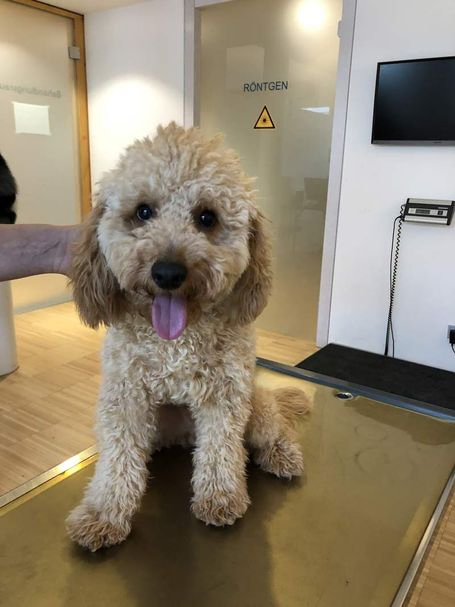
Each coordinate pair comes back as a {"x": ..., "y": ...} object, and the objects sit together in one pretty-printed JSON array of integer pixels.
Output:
[{"x": 27, "y": 250}]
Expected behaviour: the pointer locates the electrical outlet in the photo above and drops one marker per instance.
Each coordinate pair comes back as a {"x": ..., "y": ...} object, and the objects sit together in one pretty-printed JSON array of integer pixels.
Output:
[{"x": 451, "y": 334}]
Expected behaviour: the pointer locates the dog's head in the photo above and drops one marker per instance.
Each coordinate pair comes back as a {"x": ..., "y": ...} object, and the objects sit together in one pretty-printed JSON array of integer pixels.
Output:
[{"x": 175, "y": 234}]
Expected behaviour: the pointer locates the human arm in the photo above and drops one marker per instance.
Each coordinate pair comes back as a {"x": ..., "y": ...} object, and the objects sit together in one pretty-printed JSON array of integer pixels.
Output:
[{"x": 28, "y": 250}]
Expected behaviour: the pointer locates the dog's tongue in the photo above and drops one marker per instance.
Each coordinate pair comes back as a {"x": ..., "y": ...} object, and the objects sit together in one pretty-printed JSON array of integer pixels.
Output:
[{"x": 169, "y": 316}]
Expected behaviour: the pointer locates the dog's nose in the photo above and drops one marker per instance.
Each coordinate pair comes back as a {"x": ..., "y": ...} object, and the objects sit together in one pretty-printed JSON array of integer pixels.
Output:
[{"x": 168, "y": 274}]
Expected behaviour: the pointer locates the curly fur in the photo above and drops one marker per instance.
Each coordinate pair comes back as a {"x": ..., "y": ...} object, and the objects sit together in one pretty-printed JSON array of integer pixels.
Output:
[{"x": 197, "y": 389}]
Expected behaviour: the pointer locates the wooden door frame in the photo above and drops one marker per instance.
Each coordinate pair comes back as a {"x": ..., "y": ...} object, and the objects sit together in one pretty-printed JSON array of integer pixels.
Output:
[{"x": 81, "y": 96}]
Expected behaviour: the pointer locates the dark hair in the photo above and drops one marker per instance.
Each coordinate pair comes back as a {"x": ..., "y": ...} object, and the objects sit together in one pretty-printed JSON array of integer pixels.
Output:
[{"x": 8, "y": 192}]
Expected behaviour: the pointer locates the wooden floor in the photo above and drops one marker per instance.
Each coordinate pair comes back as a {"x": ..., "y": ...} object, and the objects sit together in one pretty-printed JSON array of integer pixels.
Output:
[
  {"x": 47, "y": 407},
  {"x": 435, "y": 584},
  {"x": 283, "y": 349}
]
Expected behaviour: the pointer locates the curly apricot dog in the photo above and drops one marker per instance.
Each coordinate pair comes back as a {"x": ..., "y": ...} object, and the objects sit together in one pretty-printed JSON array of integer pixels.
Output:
[{"x": 176, "y": 261}]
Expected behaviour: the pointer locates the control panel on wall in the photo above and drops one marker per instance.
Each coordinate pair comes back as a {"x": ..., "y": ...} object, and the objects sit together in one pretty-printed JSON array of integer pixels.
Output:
[{"x": 422, "y": 210}]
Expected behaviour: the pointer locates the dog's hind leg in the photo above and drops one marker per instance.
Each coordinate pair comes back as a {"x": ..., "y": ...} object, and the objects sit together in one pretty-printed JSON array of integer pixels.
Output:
[{"x": 271, "y": 430}]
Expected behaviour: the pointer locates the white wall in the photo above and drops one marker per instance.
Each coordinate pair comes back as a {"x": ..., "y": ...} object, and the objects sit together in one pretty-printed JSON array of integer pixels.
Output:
[
  {"x": 376, "y": 181},
  {"x": 134, "y": 73}
]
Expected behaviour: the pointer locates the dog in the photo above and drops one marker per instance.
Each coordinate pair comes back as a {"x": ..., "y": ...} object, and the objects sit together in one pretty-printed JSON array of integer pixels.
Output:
[
  {"x": 175, "y": 258},
  {"x": 8, "y": 193}
]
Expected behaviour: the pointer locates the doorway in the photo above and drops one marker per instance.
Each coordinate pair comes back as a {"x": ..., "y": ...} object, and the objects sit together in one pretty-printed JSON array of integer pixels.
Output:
[
  {"x": 266, "y": 76},
  {"x": 44, "y": 126}
]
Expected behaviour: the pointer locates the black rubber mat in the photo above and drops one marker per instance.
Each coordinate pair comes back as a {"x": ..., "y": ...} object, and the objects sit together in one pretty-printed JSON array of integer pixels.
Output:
[{"x": 392, "y": 375}]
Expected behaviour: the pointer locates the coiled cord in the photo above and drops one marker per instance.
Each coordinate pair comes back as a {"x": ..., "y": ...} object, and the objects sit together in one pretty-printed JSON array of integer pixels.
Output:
[{"x": 393, "y": 279}]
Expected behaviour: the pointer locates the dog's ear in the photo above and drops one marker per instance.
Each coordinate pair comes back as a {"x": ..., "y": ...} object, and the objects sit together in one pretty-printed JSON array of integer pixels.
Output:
[
  {"x": 96, "y": 292},
  {"x": 253, "y": 288}
]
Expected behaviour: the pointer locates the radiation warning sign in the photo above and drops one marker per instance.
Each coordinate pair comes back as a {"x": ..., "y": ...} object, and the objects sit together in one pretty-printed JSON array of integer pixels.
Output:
[{"x": 265, "y": 120}]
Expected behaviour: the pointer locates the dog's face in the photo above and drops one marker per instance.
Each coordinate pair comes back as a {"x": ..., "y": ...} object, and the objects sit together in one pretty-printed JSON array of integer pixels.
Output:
[{"x": 175, "y": 234}]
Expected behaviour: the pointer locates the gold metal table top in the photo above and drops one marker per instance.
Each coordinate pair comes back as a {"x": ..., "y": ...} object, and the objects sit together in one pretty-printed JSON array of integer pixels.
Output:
[{"x": 342, "y": 537}]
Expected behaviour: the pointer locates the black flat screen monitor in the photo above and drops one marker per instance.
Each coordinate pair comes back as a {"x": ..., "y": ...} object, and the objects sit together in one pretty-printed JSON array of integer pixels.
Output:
[{"x": 415, "y": 101}]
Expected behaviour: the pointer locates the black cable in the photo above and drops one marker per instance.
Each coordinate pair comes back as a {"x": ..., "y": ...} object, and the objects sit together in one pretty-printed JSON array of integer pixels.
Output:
[
  {"x": 393, "y": 279},
  {"x": 453, "y": 347}
]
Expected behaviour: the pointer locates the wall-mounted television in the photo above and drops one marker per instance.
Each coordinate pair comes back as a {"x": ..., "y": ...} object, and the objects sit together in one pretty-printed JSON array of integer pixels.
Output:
[{"x": 415, "y": 101}]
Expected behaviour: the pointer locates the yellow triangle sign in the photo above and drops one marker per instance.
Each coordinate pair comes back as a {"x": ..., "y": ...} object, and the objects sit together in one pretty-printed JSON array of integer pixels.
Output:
[{"x": 265, "y": 120}]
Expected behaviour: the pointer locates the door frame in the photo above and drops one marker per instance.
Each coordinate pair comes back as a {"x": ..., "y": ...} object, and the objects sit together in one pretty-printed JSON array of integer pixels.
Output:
[
  {"x": 346, "y": 30},
  {"x": 81, "y": 96}
]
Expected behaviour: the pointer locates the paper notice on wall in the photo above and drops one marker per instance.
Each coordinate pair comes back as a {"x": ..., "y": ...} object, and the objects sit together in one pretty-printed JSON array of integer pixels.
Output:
[{"x": 32, "y": 119}]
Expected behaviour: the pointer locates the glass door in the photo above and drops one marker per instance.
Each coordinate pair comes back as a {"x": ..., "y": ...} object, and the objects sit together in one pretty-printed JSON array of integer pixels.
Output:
[
  {"x": 266, "y": 78},
  {"x": 39, "y": 130}
]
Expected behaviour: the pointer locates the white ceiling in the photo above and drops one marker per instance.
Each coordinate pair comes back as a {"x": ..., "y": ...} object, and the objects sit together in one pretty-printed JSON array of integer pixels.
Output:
[{"x": 88, "y": 6}]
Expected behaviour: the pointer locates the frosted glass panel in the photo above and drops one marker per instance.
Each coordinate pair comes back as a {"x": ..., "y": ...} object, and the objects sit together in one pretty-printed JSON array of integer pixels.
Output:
[
  {"x": 38, "y": 130},
  {"x": 281, "y": 55}
]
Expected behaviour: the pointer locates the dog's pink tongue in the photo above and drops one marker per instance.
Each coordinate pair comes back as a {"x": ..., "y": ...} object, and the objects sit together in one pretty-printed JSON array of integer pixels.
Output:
[{"x": 169, "y": 316}]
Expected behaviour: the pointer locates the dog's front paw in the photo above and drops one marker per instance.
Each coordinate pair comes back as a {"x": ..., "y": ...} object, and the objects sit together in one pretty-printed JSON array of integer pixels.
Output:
[
  {"x": 221, "y": 508},
  {"x": 91, "y": 530},
  {"x": 283, "y": 459}
]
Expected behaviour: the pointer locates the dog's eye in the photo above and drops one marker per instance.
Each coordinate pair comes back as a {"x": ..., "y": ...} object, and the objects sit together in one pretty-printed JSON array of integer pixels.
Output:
[
  {"x": 207, "y": 219},
  {"x": 144, "y": 212}
]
